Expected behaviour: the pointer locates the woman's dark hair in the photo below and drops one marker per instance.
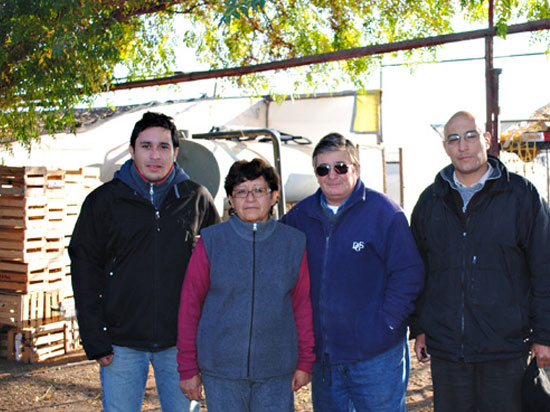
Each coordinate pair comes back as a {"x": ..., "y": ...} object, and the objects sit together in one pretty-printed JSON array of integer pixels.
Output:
[
  {"x": 243, "y": 170},
  {"x": 152, "y": 119}
]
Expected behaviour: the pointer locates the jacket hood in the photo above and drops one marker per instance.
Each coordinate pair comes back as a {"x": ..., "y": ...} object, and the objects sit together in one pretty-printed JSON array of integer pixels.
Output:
[
  {"x": 441, "y": 185},
  {"x": 124, "y": 174},
  {"x": 156, "y": 192}
]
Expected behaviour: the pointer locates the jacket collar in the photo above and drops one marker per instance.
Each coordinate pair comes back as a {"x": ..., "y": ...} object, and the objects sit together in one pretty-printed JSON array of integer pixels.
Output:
[
  {"x": 129, "y": 175},
  {"x": 359, "y": 194},
  {"x": 442, "y": 186},
  {"x": 246, "y": 230}
]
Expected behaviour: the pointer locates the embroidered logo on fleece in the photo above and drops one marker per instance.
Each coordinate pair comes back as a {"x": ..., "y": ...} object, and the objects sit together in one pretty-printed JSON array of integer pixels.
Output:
[{"x": 358, "y": 246}]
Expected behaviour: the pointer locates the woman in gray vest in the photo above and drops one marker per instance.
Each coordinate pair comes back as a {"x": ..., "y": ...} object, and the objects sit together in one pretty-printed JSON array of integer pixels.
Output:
[{"x": 245, "y": 326}]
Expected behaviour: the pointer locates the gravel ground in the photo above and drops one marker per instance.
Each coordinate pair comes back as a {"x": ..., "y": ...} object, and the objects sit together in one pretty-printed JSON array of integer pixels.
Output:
[{"x": 71, "y": 383}]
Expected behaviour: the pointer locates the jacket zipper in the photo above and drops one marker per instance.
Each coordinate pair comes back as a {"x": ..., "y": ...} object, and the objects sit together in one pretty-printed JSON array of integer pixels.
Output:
[
  {"x": 326, "y": 357},
  {"x": 322, "y": 302},
  {"x": 155, "y": 280},
  {"x": 254, "y": 229},
  {"x": 462, "y": 274},
  {"x": 462, "y": 291}
]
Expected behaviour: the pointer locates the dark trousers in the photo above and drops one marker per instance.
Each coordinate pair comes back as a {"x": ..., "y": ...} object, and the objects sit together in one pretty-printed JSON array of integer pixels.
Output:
[{"x": 493, "y": 386}]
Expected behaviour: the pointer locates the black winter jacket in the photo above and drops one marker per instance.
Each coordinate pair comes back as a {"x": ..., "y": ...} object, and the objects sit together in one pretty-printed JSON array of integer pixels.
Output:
[
  {"x": 487, "y": 292},
  {"x": 128, "y": 264}
]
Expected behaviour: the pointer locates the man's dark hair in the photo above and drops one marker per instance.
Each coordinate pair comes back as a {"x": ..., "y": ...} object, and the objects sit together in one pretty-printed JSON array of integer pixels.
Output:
[
  {"x": 153, "y": 119},
  {"x": 335, "y": 141}
]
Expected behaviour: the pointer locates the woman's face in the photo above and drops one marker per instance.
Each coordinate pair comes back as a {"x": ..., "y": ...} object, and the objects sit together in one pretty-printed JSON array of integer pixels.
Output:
[{"x": 252, "y": 200}]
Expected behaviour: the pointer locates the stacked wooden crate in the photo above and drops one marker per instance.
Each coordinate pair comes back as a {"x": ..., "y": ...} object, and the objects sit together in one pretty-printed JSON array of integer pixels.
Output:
[{"x": 38, "y": 210}]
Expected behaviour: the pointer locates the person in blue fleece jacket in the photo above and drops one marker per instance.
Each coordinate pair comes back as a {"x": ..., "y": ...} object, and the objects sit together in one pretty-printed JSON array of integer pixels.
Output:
[{"x": 365, "y": 273}]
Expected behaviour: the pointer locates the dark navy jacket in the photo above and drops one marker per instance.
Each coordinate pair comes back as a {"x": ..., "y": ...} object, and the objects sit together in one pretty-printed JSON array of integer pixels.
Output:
[
  {"x": 365, "y": 274},
  {"x": 487, "y": 294}
]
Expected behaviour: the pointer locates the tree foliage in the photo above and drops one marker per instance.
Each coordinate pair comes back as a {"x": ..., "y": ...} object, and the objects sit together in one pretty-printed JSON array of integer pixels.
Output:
[
  {"x": 56, "y": 54},
  {"x": 258, "y": 32}
]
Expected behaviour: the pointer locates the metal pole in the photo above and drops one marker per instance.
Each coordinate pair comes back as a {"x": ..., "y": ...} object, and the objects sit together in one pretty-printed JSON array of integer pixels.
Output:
[
  {"x": 491, "y": 87},
  {"x": 275, "y": 137}
]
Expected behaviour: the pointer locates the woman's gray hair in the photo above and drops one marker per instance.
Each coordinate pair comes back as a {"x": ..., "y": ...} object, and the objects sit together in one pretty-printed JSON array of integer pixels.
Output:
[{"x": 335, "y": 141}]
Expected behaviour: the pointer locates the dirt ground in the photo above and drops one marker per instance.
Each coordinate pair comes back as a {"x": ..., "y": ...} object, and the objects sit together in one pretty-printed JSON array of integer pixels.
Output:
[{"x": 71, "y": 383}]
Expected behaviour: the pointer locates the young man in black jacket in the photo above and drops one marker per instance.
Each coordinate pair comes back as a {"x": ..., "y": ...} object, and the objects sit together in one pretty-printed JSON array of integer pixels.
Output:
[
  {"x": 129, "y": 252},
  {"x": 484, "y": 235}
]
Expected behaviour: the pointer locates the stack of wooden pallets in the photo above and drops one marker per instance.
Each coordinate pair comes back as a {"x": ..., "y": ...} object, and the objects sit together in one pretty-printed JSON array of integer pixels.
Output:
[{"x": 38, "y": 210}]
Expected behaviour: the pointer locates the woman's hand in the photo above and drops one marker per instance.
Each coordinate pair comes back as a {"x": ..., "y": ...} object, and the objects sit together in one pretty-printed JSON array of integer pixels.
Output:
[
  {"x": 192, "y": 388},
  {"x": 299, "y": 379}
]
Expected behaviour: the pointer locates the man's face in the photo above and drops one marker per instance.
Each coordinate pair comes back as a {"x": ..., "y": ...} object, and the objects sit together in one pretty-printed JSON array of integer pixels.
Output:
[
  {"x": 468, "y": 156},
  {"x": 336, "y": 187},
  {"x": 154, "y": 153}
]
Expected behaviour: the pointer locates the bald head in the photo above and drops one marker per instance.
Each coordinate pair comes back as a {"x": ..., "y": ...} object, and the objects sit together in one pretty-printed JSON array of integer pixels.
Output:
[
  {"x": 459, "y": 116},
  {"x": 466, "y": 146}
]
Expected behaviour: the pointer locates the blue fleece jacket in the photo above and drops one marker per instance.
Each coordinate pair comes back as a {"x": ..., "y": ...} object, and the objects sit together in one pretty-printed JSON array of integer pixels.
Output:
[{"x": 365, "y": 273}]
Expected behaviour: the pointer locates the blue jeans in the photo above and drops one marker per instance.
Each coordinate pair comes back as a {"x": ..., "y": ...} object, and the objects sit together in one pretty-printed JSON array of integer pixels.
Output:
[
  {"x": 378, "y": 384},
  {"x": 243, "y": 395},
  {"x": 123, "y": 381}
]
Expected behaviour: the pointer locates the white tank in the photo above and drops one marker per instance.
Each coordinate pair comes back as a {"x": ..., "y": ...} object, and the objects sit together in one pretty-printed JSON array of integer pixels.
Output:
[{"x": 208, "y": 161}]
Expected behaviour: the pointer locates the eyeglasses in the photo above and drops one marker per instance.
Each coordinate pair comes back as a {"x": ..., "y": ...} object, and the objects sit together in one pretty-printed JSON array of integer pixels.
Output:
[
  {"x": 341, "y": 168},
  {"x": 469, "y": 136},
  {"x": 256, "y": 192}
]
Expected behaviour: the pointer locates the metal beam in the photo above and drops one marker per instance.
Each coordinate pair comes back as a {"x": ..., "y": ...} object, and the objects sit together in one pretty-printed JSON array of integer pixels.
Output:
[{"x": 543, "y": 24}]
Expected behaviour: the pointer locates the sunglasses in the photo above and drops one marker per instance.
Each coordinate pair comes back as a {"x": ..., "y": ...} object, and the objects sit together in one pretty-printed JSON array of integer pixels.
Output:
[{"x": 323, "y": 169}]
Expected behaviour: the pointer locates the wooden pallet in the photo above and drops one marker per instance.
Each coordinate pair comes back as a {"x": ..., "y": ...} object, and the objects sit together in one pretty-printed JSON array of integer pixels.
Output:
[
  {"x": 39, "y": 343},
  {"x": 31, "y": 309},
  {"x": 55, "y": 245},
  {"x": 22, "y": 212},
  {"x": 23, "y": 277},
  {"x": 38, "y": 211},
  {"x": 55, "y": 182},
  {"x": 91, "y": 177},
  {"x": 22, "y": 181},
  {"x": 72, "y": 336},
  {"x": 18, "y": 244}
]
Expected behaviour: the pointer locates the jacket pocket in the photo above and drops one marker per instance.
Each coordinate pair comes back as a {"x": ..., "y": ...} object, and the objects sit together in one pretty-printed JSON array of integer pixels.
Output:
[
  {"x": 490, "y": 287},
  {"x": 373, "y": 332},
  {"x": 499, "y": 328}
]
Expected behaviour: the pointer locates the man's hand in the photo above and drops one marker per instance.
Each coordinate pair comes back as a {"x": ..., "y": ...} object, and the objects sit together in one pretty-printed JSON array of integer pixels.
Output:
[
  {"x": 192, "y": 388},
  {"x": 299, "y": 379},
  {"x": 106, "y": 360},
  {"x": 542, "y": 353},
  {"x": 421, "y": 349}
]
